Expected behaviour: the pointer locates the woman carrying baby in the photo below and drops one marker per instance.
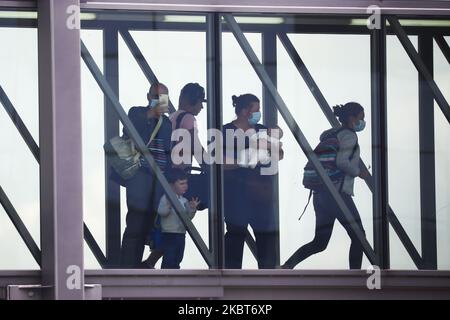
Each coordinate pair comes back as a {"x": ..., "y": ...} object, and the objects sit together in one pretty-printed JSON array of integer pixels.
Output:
[{"x": 249, "y": 195}]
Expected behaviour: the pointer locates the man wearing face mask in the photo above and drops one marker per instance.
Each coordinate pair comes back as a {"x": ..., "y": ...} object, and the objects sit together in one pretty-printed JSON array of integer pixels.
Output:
[
  {"x": 351, "y": 116},
  {"x": 143, "y": 190}
]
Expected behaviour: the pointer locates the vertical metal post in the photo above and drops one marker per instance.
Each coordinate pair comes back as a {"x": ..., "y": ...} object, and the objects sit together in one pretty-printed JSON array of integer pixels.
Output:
[
  {"x": 379, "y": 145},
  {"x": 214, "y": 97},
  {"x": 270, "y": 112},
  {"x": 60, "y": 143},
  {"x": 427, "y": 158},
  {"x": 112, "y": 201}
]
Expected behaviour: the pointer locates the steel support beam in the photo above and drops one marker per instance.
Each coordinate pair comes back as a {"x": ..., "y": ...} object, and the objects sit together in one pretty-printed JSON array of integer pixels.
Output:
[
  {"x": 214, "y": 97},
  {"x": 427, "y": 158},
  {"x": 270, "y": 115},
  {"x": 61, "y": 185},
  {"x": 20, "y": 227},
  {"x": 420, "y": 66},
  {"x": 335, "y": 7},
  {"x": 140, "y": 145},
  {"x": 111, "y": 128},
  {"x": 443, "y": 45},
  {"x": 326, "y": 109},
  {"x": 298, "y": 134},
  {"x": 140, "y": 59},
  {"x": 379, "y": 145}
]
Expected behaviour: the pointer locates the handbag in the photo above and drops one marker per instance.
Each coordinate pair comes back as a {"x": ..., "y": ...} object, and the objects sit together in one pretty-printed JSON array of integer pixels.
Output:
[{"x": 123, "y": 156}]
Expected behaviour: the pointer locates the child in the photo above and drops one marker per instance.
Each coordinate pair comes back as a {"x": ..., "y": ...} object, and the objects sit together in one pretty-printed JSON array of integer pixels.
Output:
[
  {"x": 256, "y": 154},
  {"x": 173, "y": 231}
]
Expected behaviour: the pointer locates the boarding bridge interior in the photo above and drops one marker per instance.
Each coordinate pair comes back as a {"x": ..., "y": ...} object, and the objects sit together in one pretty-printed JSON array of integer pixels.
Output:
[{"x": 299, "y": 65}]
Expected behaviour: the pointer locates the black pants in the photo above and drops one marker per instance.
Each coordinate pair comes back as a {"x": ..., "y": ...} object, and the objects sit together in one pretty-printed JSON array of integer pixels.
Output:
[
  {"x": 266, "y": 247},
  {"x": 326, "y": 213},
  {"x": 142, "y": 196},
  {"x": 173, "y": 247}
]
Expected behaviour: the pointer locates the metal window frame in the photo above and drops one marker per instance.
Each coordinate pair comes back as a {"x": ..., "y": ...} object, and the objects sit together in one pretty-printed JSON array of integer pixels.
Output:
[
  {"x": 214, "y": 69},
  {"x": 415, "y": 7}
]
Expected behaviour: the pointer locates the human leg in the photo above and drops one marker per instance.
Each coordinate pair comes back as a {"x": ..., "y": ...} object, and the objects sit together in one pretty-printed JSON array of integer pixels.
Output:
[
  {"x": 323, "y": 231},
  {"x": 139, "y": 190},
  {"x": 234, "y": 246},
  {"x": 356, "y": 250},
  {"x": 267, "y": 248}
]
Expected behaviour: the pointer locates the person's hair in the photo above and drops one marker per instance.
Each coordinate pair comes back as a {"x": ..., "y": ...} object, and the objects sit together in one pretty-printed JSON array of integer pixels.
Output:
[
  {"x": 191, "y": 94},
  {"x": 344, "y": 112},
  {"x": 243, "y": 101},
  {"x": 156, "y": 85},
  {"x": 175, "y": 175}
]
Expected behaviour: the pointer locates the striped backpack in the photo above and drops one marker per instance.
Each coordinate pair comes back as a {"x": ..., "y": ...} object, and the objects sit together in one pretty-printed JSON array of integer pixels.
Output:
[{"x": 326, "y": 151}]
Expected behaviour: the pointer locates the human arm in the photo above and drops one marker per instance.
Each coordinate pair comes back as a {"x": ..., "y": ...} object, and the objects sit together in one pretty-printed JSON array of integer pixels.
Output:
[{"x": 164, "y": 206}]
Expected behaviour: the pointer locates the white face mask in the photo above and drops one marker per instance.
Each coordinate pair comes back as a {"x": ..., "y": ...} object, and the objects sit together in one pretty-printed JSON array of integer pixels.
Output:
[{"x": 163, "y": 102}]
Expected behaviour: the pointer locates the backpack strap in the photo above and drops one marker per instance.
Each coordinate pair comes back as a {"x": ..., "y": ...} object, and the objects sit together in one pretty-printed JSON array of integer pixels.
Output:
[
  {"x": 309, "y": 199},
  {"x": 180, "y": 118}
]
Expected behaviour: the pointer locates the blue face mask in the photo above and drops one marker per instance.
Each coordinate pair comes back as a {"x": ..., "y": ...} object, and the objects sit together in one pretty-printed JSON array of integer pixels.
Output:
[
  {"x": 256, "y": 116},
  {"x": 153, "y": 103},
  {"x": 360, "y": 125}
]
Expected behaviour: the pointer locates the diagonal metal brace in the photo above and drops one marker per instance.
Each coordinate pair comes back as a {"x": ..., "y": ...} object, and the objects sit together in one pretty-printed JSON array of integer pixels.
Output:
[{"x": 20, "y": 227}]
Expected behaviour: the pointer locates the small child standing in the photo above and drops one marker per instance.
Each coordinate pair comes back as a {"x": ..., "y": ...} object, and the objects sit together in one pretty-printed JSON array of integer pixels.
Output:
[{"x": 173, "y": 230}]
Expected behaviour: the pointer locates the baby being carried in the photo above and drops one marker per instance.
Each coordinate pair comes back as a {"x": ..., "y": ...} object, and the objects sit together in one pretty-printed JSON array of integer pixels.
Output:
[{"x": 260, "y": 145}]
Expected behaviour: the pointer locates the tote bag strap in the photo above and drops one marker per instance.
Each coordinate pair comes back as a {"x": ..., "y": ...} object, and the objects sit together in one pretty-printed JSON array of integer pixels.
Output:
[{"x": 155, "y": 131}]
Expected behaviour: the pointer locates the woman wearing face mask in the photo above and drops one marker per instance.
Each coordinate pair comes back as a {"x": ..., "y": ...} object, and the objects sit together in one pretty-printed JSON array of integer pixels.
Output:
[
  {"x": 351, "y": 116},
  {"x": 246, "y": 202}
]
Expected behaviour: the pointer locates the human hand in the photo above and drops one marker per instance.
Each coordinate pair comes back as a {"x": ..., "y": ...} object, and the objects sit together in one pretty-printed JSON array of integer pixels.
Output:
[{"x": 193, "y": 204}]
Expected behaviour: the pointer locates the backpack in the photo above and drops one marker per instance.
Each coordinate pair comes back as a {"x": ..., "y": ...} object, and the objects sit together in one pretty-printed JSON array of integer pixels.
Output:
[{"x": 326, "y": 151}]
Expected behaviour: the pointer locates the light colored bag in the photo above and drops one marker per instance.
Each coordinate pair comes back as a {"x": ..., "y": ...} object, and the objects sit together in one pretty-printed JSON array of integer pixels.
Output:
[{"x": 123, "y": 156}]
